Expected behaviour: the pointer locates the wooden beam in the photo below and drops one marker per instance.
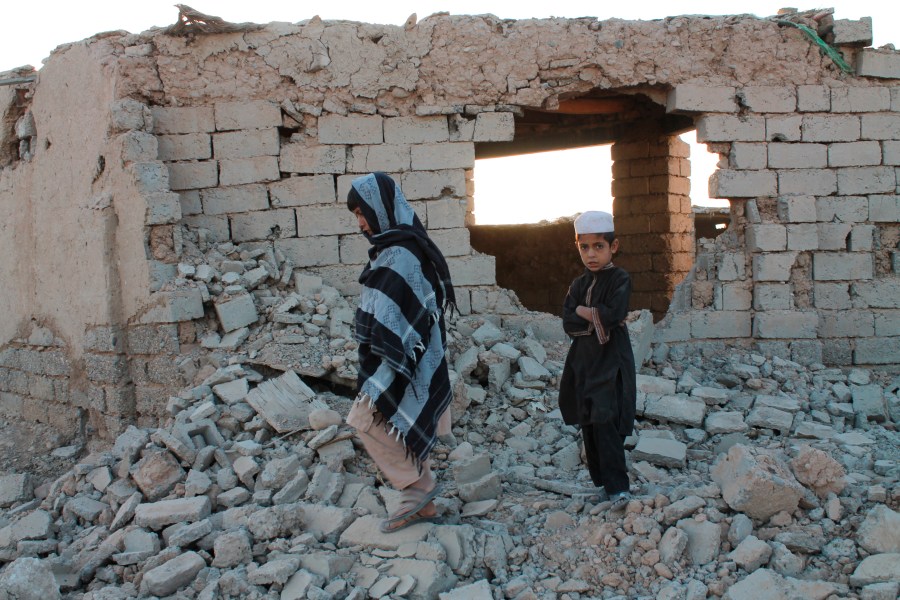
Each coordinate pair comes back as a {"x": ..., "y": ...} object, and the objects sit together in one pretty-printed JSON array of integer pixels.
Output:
[{"x": 594, "y": 106}]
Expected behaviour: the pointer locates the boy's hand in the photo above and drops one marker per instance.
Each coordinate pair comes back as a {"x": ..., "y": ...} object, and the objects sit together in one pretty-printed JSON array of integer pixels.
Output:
[{"x": 584, "y": 312}]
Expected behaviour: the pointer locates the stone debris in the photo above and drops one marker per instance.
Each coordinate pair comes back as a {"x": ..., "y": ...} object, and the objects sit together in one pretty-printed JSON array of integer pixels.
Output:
[{"x": 253, "y": 487}]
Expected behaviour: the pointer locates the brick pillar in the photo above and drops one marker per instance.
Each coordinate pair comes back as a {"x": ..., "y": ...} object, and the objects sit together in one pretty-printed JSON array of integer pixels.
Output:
[{"x": 653, "y": 216}]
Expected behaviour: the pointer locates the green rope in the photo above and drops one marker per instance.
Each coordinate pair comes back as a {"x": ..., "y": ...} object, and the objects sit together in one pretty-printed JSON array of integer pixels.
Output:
[{"x": 828, "y": 50}]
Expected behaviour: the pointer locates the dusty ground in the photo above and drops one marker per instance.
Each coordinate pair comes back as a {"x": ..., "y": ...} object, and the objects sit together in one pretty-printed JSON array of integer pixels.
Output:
[{"x": 27, "y": 448}]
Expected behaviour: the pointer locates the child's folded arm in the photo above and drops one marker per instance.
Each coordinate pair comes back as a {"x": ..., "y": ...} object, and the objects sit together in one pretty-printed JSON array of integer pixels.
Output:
[
  {"x": 614, "y": 310},
  {"x": 572, "y": 323}
]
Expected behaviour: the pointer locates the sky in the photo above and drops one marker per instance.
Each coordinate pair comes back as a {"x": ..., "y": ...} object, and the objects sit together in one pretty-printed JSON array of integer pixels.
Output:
[{"x": 29, "y": 31}]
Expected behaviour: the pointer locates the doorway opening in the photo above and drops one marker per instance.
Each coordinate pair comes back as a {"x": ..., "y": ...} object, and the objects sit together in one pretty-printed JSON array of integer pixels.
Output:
[{"x": 619, "y": 153}]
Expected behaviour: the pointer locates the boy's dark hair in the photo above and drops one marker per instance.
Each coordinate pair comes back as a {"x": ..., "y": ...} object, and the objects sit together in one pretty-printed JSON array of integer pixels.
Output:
[
  {"x": 609, "y": 236},
  {"x": 353, "y": 199}
]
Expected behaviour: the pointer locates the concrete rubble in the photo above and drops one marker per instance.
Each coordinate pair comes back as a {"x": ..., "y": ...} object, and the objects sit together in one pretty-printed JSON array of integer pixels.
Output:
[{"x": 752, "y": 474}]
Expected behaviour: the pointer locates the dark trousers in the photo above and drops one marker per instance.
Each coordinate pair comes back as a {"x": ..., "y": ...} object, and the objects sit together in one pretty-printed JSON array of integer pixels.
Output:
[{"x": 605, "y": 450}]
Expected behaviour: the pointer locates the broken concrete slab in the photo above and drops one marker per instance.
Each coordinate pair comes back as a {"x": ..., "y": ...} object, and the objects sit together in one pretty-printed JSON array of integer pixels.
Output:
[
  {"x": 756, "y": 483},
  {"x": 285, "y": 402}
]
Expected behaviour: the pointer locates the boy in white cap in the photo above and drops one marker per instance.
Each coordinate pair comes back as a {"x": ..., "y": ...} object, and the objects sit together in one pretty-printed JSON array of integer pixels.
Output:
[{"x": 597, "y": 389}]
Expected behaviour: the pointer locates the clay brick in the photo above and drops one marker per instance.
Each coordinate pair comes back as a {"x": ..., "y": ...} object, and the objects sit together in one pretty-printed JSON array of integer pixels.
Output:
[
  {"x": 802, "y": 182},
  {"x": 886, "y": 324},
  {"x": 382, "y": 157},
  {"x": 263, "y": 225},
  {"x": 884, "y": 64},
  {"x": 217, "y": 226},
  {"x": 183, "y": 119},
  {"x": 720, "y": 324},
  {"x": 175, "y": 306},
  {"x": 624, "y": 151},
  {"x": 849, "y": 32},
  {"x": 189, "y": 146},
  {"x": 193, "y": 175},
  {"x": 298, "y": 158},
  {"x": 854, "y": 154},
  {"x": 452, "y": 242},
  {"x": 891, "y": 152},
  {"x": 238, "y": 171},
  {"x": 733, "y": 296},
  {"x": 834, "y": 296},
  {"x": 494, "y": 127},
  {"x": 797, "y": 156},
  {"x": 848, "y": 209},
  {"x": 416, "y": 130},
  {"x": 748, "y": 156},
  {"x": 727, "y": 128},
  {"x": 236, "y": 199},
  {"x": 830, "y": 128},
  {"x": 785, "y": 324},
  {"x": 766, "y": 238},
  {"x": 676, "y": 261},
  {"x": 323, "y": 220},
  {"x": 877, "y": 351},
  {"x": 742, "y": 184},
  {"x": 842, "y": 266},
  {"x": 256, "y": 114},
  {"x": 479, "y": 269},
  {"x": 804, "y": 236},
  {"x": 884, "y": 209},
  {"x": 427, "y": 157},
  {"x": 162, "y": 208},
  {"x": 303, "y": 191},
  {"x": 769, "y": 99},
  {"x": 797, "y": 209},
  {"x": 813, "y": 98},
  {"x": 701, "y": 98},
  {"x": 774, "y": 266},
  {"x": 10, "y": 404},
  {"x": 190, "y": 202},
  {"x": 246, "y": 143},
  {"x": 772, "y": 296},
  {"x": 882, "y": 293},
  {"x": 866, "y": 180},
  {"x": 632, "y": 186},
  {"x": 354, "y": 129},
  {"x": 833, "y": 236},
  {"x": 881, "y": 127},
  {"x": 421, "y": 185},
  {"x": 862, "y": 238},
  {"x": 846, "y": 323},
  {"x": 448, "y": 213},
  {"x": 138, "y": 146},
  {"x": 732, "y": 265},
  {"x": 311, "y": 251},
  {"x": 784, "y": 129},
  {"x": 667, "y": 184},
  {"x": 354, "y": 249},
  {"x": 860, "y": 99}
]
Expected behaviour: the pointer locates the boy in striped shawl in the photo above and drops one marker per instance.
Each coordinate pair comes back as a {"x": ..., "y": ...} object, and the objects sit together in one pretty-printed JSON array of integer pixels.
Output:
[{"x": 404, "y": 384}]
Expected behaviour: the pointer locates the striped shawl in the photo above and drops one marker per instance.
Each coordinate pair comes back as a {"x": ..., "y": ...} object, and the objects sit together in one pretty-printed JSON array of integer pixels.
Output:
[{"x": 400, "y": 321}]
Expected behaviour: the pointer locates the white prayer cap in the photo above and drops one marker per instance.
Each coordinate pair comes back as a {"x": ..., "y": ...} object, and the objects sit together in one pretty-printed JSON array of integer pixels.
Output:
[{"x": 593, "y": 221}]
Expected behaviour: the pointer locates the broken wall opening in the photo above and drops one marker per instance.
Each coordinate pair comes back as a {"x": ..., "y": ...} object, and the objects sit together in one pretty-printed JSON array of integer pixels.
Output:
[{"x": 650, "y": 200}]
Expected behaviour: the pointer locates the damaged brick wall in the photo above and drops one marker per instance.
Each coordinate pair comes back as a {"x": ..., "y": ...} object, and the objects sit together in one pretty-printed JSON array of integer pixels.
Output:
[{"x": 244, "y": 144}]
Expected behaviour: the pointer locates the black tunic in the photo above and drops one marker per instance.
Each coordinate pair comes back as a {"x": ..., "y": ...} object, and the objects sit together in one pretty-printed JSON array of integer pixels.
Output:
[{"x": 598, "y": 380}]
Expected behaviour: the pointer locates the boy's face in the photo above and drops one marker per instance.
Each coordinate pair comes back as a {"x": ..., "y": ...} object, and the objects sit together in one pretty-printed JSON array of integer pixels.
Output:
[
  {"x": 595, "y": 251},
  {"x": 361, "y": 221}
]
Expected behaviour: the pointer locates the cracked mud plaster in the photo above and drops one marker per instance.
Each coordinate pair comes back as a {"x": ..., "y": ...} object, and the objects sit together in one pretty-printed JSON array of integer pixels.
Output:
[{"x": 450, "y": 60}]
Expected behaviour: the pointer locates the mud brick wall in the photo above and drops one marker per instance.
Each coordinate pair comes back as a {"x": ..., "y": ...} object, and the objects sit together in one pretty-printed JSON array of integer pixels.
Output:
[
  {"x": 537, "y": 261},
  {"x": 247, "y": 177},
  {"x": 129, "y": 149}
]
